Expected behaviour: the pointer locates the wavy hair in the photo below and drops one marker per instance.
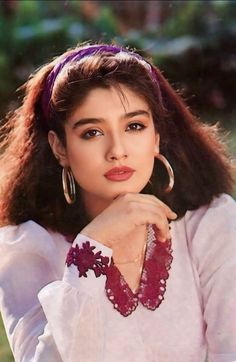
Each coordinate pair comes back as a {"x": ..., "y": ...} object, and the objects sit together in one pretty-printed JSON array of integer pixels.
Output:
[{"x": 30, "y": 182}]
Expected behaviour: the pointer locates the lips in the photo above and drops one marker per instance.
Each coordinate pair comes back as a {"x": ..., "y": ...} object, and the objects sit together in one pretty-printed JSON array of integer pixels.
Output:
[{"x": 119, "y": 173}]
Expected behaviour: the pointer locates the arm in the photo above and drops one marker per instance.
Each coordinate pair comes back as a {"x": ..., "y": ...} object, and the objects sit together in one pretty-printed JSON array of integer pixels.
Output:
[
  {"x": 24, "y": 271},
  {"x": 213, "y": 249},
  {"x": 72, "y": 326},
  {"x": 82, "y": 324},
  {"x": 76, "y": 305},
  {"x": 71, "y": 316}
]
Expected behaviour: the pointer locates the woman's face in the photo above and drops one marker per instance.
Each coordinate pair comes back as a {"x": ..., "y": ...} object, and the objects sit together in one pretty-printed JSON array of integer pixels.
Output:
[{"x": 109, "y": 130}]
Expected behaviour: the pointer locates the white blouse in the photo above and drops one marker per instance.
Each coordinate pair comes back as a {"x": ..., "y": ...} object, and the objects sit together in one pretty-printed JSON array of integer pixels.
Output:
[{"x": 52, "y": 315}]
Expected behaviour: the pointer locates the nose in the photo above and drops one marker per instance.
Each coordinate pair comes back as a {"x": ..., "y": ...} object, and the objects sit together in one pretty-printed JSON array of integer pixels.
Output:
[{"x": 116, "y": 149}]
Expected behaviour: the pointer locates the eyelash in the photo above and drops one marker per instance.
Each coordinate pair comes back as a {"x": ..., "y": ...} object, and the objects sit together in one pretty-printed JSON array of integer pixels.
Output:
[{"x": 87, "y": 137}]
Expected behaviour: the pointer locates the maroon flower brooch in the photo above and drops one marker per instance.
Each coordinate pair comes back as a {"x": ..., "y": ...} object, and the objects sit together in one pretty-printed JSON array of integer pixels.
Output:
[{"x": 85, "y": 259}]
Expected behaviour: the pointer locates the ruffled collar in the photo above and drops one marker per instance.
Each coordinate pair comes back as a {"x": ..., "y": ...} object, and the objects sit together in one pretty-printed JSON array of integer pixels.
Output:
[{"x": 152, "y": 287}]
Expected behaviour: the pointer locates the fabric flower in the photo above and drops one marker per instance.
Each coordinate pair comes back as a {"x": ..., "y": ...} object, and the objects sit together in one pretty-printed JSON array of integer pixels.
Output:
[{"x": 85, "y": 259}]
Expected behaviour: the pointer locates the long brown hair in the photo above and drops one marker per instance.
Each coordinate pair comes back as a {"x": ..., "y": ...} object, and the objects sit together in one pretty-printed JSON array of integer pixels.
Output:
[{"x": 31, "y": 176}]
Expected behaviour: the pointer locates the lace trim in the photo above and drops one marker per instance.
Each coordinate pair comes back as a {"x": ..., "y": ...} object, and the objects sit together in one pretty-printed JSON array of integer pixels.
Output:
[
  {"x": 84, "y": 259},
  {"x": 158, "y": 259},
  {"x": 152, "y": 288}
]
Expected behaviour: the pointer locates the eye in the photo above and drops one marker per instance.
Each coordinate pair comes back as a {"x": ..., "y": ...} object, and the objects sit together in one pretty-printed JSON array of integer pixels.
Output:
[
  {"x": 91, "y": 134},
  {"x": 136, "y": 126}
]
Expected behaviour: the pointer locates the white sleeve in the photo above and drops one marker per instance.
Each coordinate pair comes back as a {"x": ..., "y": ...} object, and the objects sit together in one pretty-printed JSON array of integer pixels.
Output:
[
  {"x": 213, "y": 249},
  {"x": 50, "y": 333},
  {"x": 74, "y": 310}
]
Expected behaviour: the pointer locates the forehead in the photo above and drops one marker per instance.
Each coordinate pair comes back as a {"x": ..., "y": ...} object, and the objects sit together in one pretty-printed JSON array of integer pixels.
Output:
[{"x": 102, "y": 101}]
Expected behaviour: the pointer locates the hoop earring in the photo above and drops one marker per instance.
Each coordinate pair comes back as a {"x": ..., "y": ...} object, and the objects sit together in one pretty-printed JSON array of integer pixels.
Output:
[
  {"x": 68, "y": 184},
  {"x": 169, "y": 171}
]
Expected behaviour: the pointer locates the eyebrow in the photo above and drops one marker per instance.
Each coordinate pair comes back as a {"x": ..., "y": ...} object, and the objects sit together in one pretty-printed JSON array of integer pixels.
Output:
[{"x": 83, "y": 121}]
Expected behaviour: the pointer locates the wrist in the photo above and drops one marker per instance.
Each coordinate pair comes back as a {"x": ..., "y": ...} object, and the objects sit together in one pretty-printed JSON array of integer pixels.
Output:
[{"x": 95, "y": 235}]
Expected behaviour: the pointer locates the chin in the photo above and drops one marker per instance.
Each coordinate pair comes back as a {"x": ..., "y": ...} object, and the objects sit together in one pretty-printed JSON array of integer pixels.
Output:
[{"x": 135, "y": 190}]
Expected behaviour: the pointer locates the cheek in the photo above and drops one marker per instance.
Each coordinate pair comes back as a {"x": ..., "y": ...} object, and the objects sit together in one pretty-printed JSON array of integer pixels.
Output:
[
  {"x": 77, "y": 152},
  {"x": 83, "y": 160},
  {"x": 147, "y": 156},
  {"x": 146, "y": 148}
]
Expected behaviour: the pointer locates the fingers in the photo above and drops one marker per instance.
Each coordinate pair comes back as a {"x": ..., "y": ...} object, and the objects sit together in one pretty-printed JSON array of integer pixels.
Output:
[
  {"x": 166, "y": 207},
  {"x": 150, "y": 210},
  {"x": 157, "y": 217},
  {"x": 167, "y": 210},
  {"x": 150, "y": 199},
  {"x": 125, "y": 214}
]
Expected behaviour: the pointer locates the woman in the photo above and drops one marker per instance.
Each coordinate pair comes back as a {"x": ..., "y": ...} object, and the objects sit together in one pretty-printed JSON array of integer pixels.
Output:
[{"x": 132, "y": 255}]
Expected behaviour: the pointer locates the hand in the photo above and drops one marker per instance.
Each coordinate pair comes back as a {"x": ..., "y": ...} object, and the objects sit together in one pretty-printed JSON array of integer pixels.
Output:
[{"x": 125, "y": 214}]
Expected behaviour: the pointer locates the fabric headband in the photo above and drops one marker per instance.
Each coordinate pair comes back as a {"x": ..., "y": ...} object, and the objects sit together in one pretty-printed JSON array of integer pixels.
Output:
[{"x": 78, "y": 55}]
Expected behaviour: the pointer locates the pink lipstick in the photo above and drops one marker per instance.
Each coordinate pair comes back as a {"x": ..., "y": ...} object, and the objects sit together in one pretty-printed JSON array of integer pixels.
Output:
[{"x": 122, "y": 173}]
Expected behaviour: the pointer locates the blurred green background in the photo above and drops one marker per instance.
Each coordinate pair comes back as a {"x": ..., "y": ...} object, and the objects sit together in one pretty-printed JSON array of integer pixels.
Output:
[{"x": 193, "y": 42}]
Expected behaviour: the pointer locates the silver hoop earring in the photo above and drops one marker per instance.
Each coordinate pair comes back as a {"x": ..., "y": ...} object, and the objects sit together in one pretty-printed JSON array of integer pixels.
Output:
[
  {"x": 68, "y": 184},
  {"x": 169, "y": 171}
]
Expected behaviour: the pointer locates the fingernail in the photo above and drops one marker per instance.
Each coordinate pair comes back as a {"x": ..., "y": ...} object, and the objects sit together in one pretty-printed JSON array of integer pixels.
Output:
[{"x": 162, "y": 240}]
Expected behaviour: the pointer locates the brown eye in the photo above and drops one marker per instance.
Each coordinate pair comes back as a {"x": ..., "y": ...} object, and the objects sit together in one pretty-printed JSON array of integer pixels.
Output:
[
  {"x": 136, "y": 127},
  {"x": 91, "y": 134}
]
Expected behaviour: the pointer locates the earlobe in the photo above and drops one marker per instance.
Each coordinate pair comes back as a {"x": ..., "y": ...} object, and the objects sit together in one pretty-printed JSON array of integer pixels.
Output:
[{"x": 58, "y": 149}]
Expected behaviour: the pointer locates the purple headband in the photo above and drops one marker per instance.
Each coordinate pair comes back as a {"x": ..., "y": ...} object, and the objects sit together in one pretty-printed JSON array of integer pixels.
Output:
[{"x": 76, "y": 56}]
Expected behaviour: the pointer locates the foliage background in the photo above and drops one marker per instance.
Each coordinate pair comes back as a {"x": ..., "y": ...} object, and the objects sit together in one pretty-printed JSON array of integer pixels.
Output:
[{"x": 193, "y": 42}]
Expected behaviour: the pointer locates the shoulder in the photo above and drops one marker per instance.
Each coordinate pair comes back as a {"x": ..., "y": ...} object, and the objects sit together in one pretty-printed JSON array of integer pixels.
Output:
[
  {"x": 219, "y": 214},
  {"x": 30, "y": 237},
  {"x": 211, "y": 233}
]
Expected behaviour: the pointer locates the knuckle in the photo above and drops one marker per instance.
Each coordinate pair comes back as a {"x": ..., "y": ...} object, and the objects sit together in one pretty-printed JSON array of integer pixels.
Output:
[
  {"x": 155, "y": 198},
  {"x": 162, "y": 224},
  {"x": 131, "y": 207},
  {"x": 127, "y": 196}
]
